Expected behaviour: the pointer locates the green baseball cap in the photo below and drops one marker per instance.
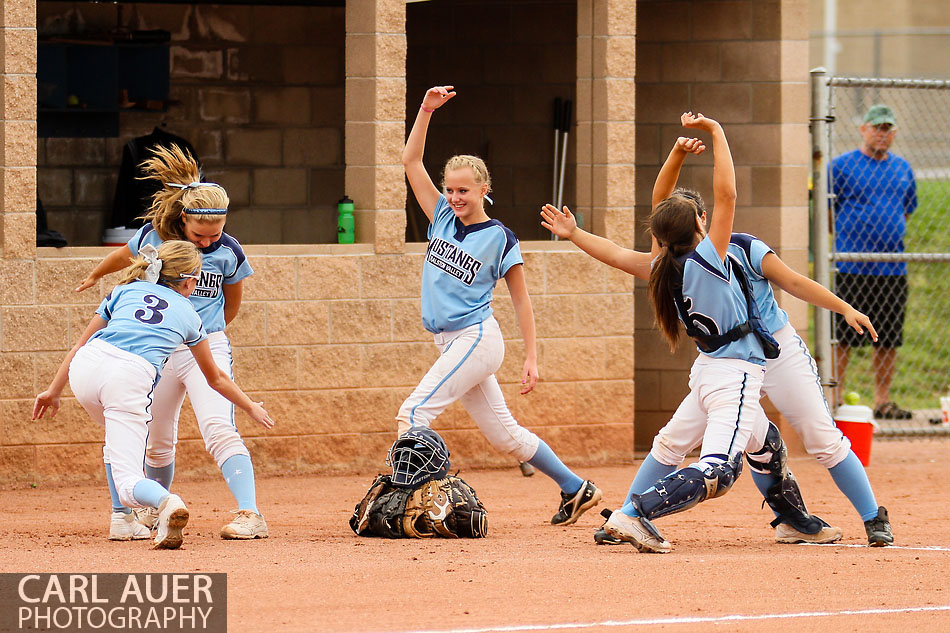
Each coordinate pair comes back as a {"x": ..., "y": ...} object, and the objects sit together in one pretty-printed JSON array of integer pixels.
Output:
[{"x": 878, "y": 114}]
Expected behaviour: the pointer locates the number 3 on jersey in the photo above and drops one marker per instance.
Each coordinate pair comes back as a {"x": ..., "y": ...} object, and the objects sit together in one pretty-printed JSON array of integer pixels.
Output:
[{"x": 152, "y": 313}]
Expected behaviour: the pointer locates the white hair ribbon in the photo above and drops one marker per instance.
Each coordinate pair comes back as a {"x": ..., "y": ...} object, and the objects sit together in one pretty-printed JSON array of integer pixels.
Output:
[
  {"x": 191, "y": 185},
  {"x": 154, "y": 270}
]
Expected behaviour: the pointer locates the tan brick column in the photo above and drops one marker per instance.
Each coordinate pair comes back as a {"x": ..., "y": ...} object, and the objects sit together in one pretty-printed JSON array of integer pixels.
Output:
[
  {"x": 18, "y": 130},
  {"x": 375, "y": 120},
  {"x": 606, "y": 71}
]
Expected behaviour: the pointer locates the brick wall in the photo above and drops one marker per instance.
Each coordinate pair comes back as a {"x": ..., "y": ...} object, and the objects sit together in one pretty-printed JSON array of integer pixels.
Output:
[
  {"x": 331, "y": 340},
  {"x": 265, "y": 119}
]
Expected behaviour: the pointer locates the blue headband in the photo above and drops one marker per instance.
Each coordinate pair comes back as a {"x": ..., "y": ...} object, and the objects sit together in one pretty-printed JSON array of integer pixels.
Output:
[
  {"x": 195, "y": 185},
  {"x": 205, "y": 211}
]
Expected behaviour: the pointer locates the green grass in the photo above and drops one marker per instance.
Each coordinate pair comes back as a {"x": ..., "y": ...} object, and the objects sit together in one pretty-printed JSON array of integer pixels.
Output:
[{"x": 923, "y": 363}]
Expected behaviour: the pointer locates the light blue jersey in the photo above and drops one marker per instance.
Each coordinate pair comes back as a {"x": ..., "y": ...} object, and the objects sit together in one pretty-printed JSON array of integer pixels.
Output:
[
  {"x": 462, "y": 265},
  {"x": 750, "y": 251},
  {"x": 716, "y": 303},
  {"x": 149, "y": 320},
  {"x": 221, "y": 263}
]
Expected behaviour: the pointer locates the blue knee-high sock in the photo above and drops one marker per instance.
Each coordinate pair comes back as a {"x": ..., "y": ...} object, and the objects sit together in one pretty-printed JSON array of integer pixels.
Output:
[
  {"x": 650, "y": 471},
  {"x": 116, "y": 504},
  {"x": 551, "y": 465},
  {"x": 852, "y": 480},
  {"x": 239, "y": 474},
  {"x": 149, "y": 493},
  {"x": 162, "y": 474}
]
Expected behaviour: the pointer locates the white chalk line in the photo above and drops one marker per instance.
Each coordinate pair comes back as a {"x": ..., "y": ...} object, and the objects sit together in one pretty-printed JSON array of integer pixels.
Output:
[
  {"x": 922, "y": 548},
  {"x": 684, "y": 620}
]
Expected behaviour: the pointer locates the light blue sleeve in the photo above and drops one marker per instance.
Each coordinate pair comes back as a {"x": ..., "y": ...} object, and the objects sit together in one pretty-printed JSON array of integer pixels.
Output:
[
  {"x": 511, "y": 258},
  {"x": 137, "y": 239},
  {"x": 759, "y": 250}
]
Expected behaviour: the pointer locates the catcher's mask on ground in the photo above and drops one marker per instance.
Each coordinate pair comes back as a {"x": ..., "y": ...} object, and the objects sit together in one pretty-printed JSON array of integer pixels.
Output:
[{"x": 417, "y": 456}]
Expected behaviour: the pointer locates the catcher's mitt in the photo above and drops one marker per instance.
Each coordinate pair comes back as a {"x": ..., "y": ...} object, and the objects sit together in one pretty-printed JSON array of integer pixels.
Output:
[{"x": 444, "y": 507}]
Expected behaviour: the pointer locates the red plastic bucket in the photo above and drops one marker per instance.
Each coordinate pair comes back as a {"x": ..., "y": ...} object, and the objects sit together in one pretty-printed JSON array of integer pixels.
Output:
[{"x": 860, "y": 434}]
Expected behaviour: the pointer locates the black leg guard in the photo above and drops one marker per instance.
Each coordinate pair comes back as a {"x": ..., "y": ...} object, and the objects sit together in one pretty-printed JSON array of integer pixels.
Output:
[
  {"x": 686, "y": 488},
  {"x": 784, "y": 496},
  {"x": 785, "y": 499}
]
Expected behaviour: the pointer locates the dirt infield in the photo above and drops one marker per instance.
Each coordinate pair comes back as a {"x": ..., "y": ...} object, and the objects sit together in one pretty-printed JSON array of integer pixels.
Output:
[{"x": 314, "y": 574}]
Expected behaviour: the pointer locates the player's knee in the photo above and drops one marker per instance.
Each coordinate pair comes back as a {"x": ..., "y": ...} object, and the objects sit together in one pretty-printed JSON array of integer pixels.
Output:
[
  {"x": 665, "y": 452},
  {"x": 520, "y": 443},
  {"x": 160, "y": 457},
  {"x": 720, "y": 476},
  {"x": 772, "y": 457}
]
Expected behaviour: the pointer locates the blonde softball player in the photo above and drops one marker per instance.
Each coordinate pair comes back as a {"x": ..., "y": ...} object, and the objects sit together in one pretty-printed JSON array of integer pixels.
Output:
[
  {"x": 468, "y": 253},
  {"x": 187, "y": 209},
  {"x": 114, "y": 366}
]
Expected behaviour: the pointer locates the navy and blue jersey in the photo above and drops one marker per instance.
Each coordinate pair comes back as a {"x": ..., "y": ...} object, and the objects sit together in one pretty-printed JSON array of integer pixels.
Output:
[
  {"x": 716, "y": 303},
  {"x": 462, "y": 265},
  {"x": 749, "y": 251},
  {"x": 222, "y": 263},
  {"x": 149, "y": 320}
]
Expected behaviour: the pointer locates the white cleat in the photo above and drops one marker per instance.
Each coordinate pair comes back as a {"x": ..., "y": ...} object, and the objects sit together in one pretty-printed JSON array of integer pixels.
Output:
[
  {"x": 785, "y": 533},
  {"x": 638, "y": 532},
  {"x": 147, "y": 517},
  {"x": 246, "y": 525},
  {"x": 172, "y": 519},
  {"x": 124, "y": 527}
]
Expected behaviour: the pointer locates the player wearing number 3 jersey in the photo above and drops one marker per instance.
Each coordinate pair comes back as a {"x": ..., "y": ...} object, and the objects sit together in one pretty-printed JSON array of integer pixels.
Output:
[
  {"x": 187, "y": 209},
  {"x": 114, "y": 367}
]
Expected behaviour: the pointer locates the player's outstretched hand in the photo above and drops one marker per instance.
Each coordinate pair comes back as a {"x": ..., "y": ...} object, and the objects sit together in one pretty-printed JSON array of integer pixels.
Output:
[
  {"x": 698, "y": 121},
  {"x": 859, "y": 322},
  {"x": 259, "y": 415},
  {"x": 561, "y": 223},
  {"x": 46, "y": 401},
  {"x": 529, "y": 376},
  {"x": 690, "y": 145},
  {"x": 436, "y": 97},
  {"x": 87, "y": 283}
]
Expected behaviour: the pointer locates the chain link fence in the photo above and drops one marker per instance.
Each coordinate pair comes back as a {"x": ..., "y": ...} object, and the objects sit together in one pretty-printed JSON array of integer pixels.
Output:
[{"x": 884, "y": 147}]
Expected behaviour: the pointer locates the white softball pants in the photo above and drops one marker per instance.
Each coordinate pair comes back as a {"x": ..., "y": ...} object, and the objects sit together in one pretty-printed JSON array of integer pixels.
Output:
[
  {"x": 115, "y": 388},
  {"x": 722, "y": 410},
  {"x": 465, "y": 371},
  {"x": 214, "y": 412},
  {"x": 792, "y": 384}
]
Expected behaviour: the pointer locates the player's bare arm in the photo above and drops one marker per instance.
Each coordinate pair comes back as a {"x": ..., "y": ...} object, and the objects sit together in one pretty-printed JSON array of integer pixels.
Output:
[
  {"x": 670, "y": 171},
  {"x": 220, "y": 382},
  {"x": 233, "y": 293},
  {"x": 112, "y": 263},
  {"x": 810, "y": 291},
  {"x": 563, "y": 224},
  {"x": 49, "y": 399},
  {"x": 427, "y": 194},
  {"x": 518, "y": 290},
  {"x": 724, "y": 180}
]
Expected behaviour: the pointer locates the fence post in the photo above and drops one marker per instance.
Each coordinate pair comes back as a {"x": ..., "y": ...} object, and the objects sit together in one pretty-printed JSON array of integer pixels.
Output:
[{"x": 820, "y": 223}]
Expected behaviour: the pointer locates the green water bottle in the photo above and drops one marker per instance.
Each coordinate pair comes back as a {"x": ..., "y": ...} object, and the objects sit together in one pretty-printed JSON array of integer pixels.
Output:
[{"x": 344, "y": 221}]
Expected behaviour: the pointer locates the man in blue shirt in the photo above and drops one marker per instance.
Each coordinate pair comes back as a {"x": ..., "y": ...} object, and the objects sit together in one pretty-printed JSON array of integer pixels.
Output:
[{"x": 875, "y": 193}]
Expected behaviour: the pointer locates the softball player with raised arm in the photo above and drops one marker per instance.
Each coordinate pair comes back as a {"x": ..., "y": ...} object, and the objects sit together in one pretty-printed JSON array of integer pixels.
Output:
[
  {"x": 792, "y": 376},
  {"x": 185, "y": 208},
  {"x": 468, "y": 253},
  {"x": 114, "y": 367},
  {"x": 791, "y": 380}
]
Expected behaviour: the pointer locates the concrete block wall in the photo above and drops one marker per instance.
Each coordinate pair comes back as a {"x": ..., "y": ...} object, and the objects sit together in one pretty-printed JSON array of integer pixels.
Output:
[
  {"x": 331, "y": 340},
  {"x": 267, "y": 122},
  {"x": 744, "y": 63}
]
